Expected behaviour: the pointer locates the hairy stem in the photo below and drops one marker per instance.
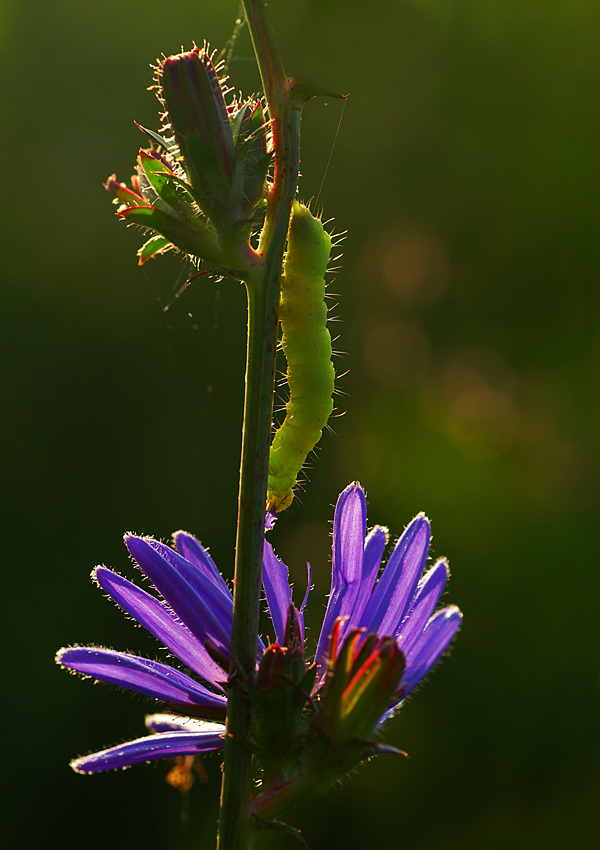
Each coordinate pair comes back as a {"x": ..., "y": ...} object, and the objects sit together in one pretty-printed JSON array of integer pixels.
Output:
[{"x": 236, "y": 825}]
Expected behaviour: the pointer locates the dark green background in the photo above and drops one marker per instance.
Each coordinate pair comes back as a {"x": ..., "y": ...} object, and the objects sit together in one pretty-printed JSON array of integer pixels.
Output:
[{"x": 466, "y": 174}]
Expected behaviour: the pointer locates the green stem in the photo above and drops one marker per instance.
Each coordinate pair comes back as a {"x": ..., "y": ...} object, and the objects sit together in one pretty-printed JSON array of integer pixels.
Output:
[{"x": 236, "y": 826}]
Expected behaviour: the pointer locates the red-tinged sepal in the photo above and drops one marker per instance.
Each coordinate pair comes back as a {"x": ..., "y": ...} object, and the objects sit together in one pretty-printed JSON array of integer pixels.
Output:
[
  {"x": 154, "y": 246},
  {"x": 122, "y": 194}
]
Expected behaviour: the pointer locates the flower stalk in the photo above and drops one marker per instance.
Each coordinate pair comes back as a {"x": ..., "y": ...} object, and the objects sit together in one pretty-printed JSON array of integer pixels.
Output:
[{"x": 236, "y": 829}]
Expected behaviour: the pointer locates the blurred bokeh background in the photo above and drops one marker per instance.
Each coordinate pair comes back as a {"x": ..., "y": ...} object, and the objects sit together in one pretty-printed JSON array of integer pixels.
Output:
[{"x": 466, "y": 173}]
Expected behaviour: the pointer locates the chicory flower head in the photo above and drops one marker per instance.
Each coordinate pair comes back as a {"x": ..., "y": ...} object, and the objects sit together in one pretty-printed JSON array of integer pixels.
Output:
[{"x": 380, "y": 637}]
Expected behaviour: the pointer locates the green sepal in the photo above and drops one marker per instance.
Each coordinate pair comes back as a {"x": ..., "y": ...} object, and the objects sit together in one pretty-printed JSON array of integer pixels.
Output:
[
  {"x": 160, "y": 177},
  {"x": 255, "y": 180},
  {"x": 250, "y": 129},
  {"x": 169, "y": 146},
  {"x": 279, "y": 722},
  {"x": 282, "y": 705},
  {"x": 236, "y": 123},
  {"x": 252, "y": 158},
  {"x": 155, "y": 245},
  {"x": 194, "y": 194},
  {"x": 212, "y": 187},
  {"x": 198, "y": 243}
]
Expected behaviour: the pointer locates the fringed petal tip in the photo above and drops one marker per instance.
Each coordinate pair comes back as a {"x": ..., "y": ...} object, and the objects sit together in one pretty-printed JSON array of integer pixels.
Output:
[
  {"x": 65, "y": 655},
  {"x": 352, "y": 497}
]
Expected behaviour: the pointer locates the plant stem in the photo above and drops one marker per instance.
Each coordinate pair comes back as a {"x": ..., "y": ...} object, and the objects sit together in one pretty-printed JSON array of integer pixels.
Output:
[{"x": 236, "y": 827}]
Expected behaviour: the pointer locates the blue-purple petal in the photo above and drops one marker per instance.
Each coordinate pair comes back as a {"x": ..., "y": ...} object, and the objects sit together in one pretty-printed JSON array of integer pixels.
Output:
[
  {"x": 177, "y": 723},
  {"x": 433, "y": 642},
  {"x": 160, "y": 746},
  {"x": 372, "y": 555},
  {"x": 270, "y": 519},
  {"x": 275, "y": 578},
  {"x": 349, "y": 529},
  {"x": 423, "y": 605},
  {"x": 162, "y": 623},
  {"x": 204, "y": 608},
  {"x": 397, "y": 584},
  {"x": 194, "y": 552},
  {"x": 139, "y": 674}
]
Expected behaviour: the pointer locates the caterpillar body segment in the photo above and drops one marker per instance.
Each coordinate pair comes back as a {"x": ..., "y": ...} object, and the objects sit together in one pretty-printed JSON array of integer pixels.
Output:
[{"x": 306, "y": 343}]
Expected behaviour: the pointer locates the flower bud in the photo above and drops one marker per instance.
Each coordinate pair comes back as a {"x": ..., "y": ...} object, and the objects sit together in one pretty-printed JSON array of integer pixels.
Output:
[
  {"x": 359, "y": 686},
  {"x": 200, "y": 185},
  {"x": 191, "y": 91},
  {"x": 282, "y": 689}
]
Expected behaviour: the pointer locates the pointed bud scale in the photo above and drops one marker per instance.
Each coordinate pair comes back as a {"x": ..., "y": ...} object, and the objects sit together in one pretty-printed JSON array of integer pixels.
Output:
[
  {"x": 371, "y": 689},
  {"x": 294, "y": 636},
  {"x": 163, "y": 180},
  {"x": 192, "y": 94},
  {"x": 194, "y": 100},
  {"x": 252, "y": 155},
  {"x": 122, "y": 193},
  {"x": 360, "y": 684},
  {"x": 197, "y": 241}
]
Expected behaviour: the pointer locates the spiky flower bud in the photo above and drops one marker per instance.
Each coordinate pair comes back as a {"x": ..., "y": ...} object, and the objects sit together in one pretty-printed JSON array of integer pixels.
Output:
[
  {"x": 191, "y": 91},
  {"x": 200, "y": 187}
]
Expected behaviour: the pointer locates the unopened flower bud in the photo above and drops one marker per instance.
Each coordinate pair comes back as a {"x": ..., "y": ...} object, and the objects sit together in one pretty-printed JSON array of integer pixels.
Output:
[{"x": 360, "y": 685}]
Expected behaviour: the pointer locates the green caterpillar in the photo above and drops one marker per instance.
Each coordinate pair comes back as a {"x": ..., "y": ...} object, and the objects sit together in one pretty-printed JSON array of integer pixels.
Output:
[{"x": 307, "y": 347}]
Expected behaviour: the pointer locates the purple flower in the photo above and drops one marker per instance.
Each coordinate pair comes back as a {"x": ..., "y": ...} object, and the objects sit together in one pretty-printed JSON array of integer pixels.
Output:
[
  {"x": 193, "y": 621},
  {"x": 401, "y": 603}
]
